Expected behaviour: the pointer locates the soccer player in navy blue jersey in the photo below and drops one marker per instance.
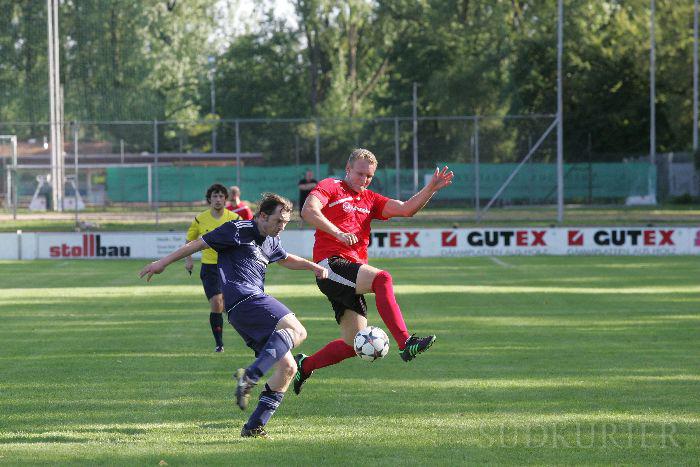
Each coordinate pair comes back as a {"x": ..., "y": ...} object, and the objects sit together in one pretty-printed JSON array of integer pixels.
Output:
[{"x": 245, "y": 248}]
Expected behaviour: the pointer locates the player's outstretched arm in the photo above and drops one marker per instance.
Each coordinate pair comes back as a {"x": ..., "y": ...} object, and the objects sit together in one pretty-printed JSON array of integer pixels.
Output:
[
  {"x": 297, "y": 263},
  {"x": 439, "y": 180},
  {"x": 156, "y": 267},
  {"x": 311, "y": 212}
]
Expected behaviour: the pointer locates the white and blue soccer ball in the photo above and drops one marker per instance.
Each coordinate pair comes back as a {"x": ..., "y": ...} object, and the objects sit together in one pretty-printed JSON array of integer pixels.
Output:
[{"x": 371, "y": 343}]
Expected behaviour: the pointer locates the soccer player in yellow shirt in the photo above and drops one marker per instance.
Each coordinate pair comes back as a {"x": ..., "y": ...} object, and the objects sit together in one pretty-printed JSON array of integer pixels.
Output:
[{"x": 204, "y": 222}]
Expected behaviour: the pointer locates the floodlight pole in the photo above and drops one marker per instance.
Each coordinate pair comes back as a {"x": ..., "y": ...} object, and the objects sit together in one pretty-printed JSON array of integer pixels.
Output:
[
  {"x": 397, "y": 156},
  {"x": 695, "y": 76},
  {"x": 55, "y": 107},
  {"x": 75, "y": 166},
  {"x": 477, "y": 175},
  {"x": 238, "y": 154},
  {"x": 560, "y": 112},
  {"x": 13, "y": 140},
  {"x": 652, "y": 85},
  {"x": 155, "y": 177},
  {"x": 317, "y": 150},
  {"x": 212, "y": 76},
  {"x": 415, "y": 137}
]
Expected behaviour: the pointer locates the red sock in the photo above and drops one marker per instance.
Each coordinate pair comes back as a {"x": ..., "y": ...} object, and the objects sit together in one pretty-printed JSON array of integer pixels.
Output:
[
  {"x": 389, "y": 310},
  {"x": 334, "y": 352}
]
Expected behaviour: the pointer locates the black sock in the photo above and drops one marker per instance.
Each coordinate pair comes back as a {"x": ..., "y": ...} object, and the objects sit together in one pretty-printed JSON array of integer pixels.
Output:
[{"x": 217, "y": 327}]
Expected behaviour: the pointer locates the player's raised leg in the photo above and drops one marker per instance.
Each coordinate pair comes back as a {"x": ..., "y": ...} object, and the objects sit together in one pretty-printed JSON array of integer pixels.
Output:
[
  {"x": 379, "y": 282},
  {"x": 334, "y": 352}
]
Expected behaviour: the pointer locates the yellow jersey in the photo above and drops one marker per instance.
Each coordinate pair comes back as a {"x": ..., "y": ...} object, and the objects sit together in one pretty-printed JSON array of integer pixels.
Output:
[{"x": 204, "y": 222}]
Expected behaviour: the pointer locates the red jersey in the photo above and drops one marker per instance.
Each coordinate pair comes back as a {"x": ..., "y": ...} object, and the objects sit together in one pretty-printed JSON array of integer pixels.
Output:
[
  {"x": 351, "y": 212},
  {"x": 241, "y": 209}
]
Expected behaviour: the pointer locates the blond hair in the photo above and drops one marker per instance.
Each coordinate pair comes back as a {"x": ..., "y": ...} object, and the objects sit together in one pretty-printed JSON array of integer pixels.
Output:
[{"x": 360, "y": 153}]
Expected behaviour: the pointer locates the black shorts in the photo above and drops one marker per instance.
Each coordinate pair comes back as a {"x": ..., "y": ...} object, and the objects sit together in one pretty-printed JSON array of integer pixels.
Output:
[
  {"x": 340, "y": 286},
  {"x": 210, "y": 280}
]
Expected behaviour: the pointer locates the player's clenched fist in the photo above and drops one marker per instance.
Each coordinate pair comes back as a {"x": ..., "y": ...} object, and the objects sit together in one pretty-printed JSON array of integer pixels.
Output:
[
  {"x": 320, "y": 272},
  {"x": 347, "y": 238}
]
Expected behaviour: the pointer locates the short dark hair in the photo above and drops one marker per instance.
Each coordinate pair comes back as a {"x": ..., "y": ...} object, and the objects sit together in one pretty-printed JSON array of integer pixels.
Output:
[
  {"x": 269, "y": 202},
  {"x": 216, "y": 188}
]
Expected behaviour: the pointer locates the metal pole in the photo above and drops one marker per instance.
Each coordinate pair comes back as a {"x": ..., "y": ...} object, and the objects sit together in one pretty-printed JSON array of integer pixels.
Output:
[
  {"x": 212, "y": 75},
  {"x": 14, "y": 177},
  {"x": 695, "y": 75},
  {"x": 75, "y": 169},
  {"x": 149, "y": 172},
  {"x": 59, "y": 129},
  {"x": 52, "y": 104},
  {"x": 397, "y": 154},
  {"x": 415, "y": 137},
  {"x": 477, "y": 199},
  {"x": 590, "y": 169},
  {"x": 238, "y": 154},
  {"x": 8, "y": 180},
  {"x": 121, "y": 149},
  {"x": 296, "y": 151},
  {"x": 7, "y": 170},
  {"x": 560, "y": 119},
  {"x": 652, "y": 85},
  {"x": 318, "y": 150},
  {"x": 652, "y": 97},
  {"x": 155, "y": 181}
]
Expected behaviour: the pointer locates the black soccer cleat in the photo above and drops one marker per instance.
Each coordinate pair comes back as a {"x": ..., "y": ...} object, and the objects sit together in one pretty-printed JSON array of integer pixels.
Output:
[
  {"x": 299, "y": 378},
  {"x": 257, "y": 432},
  {"x": 416, "y": 345},
  {"x": 243, "y": 388},
  {"x": 219, "y": 349}
]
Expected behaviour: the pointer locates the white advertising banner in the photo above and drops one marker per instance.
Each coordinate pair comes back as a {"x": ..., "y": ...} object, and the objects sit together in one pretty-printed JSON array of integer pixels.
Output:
[
  {"x": 657, "y": 241},
  {"x": 386, "y": 243},
  {"x": 107, "y": 245}
]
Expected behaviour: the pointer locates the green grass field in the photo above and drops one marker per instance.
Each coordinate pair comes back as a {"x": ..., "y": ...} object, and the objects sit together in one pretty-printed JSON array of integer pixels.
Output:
[{"x": 544, "y": 360}]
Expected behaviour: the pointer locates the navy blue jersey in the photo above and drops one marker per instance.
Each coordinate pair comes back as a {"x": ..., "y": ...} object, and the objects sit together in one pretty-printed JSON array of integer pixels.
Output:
[{"x": 244, "y": 254}]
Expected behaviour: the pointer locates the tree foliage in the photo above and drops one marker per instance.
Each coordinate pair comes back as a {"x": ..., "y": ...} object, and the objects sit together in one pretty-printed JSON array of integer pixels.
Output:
[{"x": 150, "y": 59}]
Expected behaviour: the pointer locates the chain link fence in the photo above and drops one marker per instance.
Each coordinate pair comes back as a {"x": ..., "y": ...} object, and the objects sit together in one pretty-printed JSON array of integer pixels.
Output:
[{"x": 155, "y": 166}]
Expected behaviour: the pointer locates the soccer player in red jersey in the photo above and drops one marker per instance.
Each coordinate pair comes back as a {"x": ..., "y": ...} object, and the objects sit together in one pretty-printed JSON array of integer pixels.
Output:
[
  {"x": 341, "y": 211},
  {"x": 237, "y": 206}
]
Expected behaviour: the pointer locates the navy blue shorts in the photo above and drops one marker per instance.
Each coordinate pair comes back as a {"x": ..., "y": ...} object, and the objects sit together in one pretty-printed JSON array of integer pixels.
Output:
[
  {"x": 256, "y": 318},
  {"x": 210, "y": 280}
]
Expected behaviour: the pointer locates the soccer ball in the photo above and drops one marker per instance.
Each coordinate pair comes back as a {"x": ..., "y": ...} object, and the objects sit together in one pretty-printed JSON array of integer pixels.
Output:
[{"x": 371, "y": 343}]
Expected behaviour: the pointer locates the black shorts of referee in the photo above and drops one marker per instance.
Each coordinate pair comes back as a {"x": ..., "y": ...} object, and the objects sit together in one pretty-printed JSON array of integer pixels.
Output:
[{"x": 211, "y": 280}]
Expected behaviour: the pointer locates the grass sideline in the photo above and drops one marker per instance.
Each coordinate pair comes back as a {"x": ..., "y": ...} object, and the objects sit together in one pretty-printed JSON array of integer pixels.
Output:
[{"x": 539, "y": 360}]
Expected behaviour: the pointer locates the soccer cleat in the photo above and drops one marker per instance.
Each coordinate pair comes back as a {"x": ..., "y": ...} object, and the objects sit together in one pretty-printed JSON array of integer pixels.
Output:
[
  {"x": 219, "y": 349},
  {"x": 416, "y": 345},
  {"x": 299, "y": 378},
  {"x": 243, "y": 388},
  {"x": 257, "y": 432}
]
